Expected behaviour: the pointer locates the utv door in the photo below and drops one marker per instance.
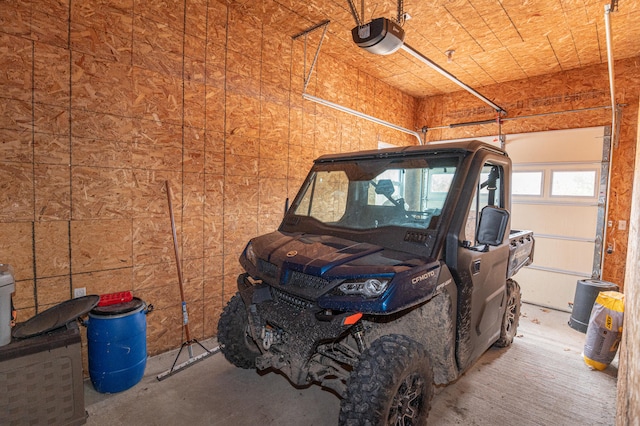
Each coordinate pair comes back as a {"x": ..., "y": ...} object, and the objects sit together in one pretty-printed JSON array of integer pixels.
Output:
[{"x": 482, "y": 255}]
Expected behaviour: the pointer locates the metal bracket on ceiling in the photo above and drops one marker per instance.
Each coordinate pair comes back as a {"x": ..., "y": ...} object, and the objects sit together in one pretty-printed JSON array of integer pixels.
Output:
[
  {"x": 354, "y": 12},
  {"x": 501, "y": 137},
  {"x": 307, "y": 78},
  {"x": 359, "y": 18},
  {"x": 613, "y": 7},
  {"x": 311, "y": 29},
  {"x": 324, "y": 24},
  {"x": 401, "y": 18}
]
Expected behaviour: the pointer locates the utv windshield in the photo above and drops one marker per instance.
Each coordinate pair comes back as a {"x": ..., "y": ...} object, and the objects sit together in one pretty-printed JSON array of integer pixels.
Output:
[{"x": 368, "y": 194}]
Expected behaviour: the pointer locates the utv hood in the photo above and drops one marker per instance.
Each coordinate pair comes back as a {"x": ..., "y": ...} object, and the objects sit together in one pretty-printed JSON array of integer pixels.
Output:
[{"x": 312, "y": 266}]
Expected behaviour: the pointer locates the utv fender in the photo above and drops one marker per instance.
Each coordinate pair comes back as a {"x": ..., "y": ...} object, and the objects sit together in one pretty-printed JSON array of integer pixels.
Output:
[{"x": 431, "y": 325}]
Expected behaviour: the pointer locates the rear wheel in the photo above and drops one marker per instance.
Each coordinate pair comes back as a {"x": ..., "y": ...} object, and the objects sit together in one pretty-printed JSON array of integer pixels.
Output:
[
  {"x": 511, "y": 318},
  {"x": 391, "y": 385},
  {"x": 236, "y": 345}
]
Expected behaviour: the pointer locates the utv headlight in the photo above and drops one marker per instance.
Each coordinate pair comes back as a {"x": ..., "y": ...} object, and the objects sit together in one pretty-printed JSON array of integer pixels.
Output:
[
  {"x": 250, "y": 254},
  {"x": 372, "y": 287}
]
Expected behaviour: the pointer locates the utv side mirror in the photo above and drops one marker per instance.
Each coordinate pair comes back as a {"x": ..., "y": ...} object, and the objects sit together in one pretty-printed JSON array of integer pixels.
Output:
[
  {"x": 492, "y": 226},
  {"x": 385, "y": 187}
]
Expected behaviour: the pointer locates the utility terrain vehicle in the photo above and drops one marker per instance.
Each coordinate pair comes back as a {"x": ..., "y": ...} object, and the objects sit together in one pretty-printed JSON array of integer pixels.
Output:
[{"x": 391, "y": 271}]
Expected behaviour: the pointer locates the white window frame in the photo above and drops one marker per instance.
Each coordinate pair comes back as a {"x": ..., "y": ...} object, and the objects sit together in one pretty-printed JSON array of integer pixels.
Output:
[
  {"x": 540, "y": 193},
  {"x": 596, "y": 178}
]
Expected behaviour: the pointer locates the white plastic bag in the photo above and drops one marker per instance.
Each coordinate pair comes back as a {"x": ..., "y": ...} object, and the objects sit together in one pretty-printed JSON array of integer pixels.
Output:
[{"x": 605, "y": 330}]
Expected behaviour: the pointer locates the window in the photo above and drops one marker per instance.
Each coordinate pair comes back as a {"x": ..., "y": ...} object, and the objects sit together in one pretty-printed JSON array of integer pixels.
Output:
[
  {"x": 526, "y": 183},
  {"x": 408, "y": 192},
  {"x": 573, "y": 183},
  {"x": 440, "y": 182},
  {"x": 325, "y": 198}
]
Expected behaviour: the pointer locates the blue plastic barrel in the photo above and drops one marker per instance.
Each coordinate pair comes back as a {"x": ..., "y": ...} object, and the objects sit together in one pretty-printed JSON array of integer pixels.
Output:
[{"x": 117, "y": 345}]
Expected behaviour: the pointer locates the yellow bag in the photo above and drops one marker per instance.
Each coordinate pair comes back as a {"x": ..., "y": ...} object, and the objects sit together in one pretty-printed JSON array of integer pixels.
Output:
[{"x": 605, "y": 330}]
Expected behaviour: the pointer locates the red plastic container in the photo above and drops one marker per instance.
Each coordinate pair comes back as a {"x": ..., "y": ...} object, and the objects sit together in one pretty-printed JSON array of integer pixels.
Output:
[{"x": 115, "y": 298}]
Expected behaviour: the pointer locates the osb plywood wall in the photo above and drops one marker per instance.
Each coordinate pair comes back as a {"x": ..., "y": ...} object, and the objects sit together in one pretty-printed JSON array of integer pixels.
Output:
[
  {"x": 584, "y": 89},
  {"x": 103, "y": 101},
  {"x": 628, "y": 401}
]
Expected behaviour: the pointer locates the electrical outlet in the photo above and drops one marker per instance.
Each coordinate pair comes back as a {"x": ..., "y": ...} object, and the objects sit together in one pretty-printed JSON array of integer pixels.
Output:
[
  {"x": 79, "y": 292},
  {"x": 622, "y": 225}
]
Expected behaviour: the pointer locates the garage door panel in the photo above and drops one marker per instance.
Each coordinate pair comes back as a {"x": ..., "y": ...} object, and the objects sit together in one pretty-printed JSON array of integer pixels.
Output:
[
  {"x": 567, "y": 221},
  {"x": 547, "y": 288},
  {"x": 567, "y": 225},
  {"x": 576, "y": 256},
  {"x": 560, "y": 206},
  {"x": 570, "y": 145}
]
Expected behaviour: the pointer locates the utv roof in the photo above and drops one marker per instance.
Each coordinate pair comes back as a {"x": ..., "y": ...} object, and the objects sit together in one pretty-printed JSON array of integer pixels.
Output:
[{"x": 448, "y": 147}]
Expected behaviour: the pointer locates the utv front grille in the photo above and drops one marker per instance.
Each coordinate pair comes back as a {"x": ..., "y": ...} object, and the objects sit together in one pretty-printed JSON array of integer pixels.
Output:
[
  {"x": 291, "y": 300},
  {"x": 268, "y": 269},
  {"x": 300, "y": 280}
]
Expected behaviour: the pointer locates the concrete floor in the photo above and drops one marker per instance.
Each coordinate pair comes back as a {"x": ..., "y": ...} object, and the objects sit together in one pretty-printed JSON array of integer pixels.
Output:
[{"x": 540, "y": 380}]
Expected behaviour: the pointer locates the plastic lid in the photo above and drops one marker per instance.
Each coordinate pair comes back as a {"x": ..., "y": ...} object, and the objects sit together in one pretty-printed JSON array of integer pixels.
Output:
[
  {"x": 6, "y": 275},
  {"x": 119, "y": 308},
  {"x": 55, "y": 317},
  {"x": 599, "y": 283}
]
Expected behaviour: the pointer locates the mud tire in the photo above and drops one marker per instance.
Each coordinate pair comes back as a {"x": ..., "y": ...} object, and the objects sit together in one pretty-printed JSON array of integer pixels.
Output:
[
  {"x": 392, "y": 384},
  {"x": 236, "y": 345},
  {"x": 511, "y": 318}
]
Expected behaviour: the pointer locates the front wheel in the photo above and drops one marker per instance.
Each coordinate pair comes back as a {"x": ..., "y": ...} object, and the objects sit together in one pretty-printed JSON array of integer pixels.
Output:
[
  {"x": 392, "y": 384},
  {"x": 236, "y": 345},
  {"x": 511, "y": 317}
]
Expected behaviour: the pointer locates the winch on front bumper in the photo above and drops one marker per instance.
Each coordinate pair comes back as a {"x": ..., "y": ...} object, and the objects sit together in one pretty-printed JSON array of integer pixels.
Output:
[{"x": 297, "y": 337}]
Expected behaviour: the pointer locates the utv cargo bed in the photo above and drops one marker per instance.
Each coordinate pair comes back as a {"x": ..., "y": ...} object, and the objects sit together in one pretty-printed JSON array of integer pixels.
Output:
[{"x": 520, "y": 251}]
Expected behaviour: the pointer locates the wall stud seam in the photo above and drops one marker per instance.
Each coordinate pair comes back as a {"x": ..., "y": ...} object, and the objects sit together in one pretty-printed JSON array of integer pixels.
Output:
[
  {"x": 70, "y": 249},
  {"x": 33, "y": 176},
  {"x": 224, "y": 150},
  {"x": 182, "y": 132},
  {"x": 204, "y": 163}
]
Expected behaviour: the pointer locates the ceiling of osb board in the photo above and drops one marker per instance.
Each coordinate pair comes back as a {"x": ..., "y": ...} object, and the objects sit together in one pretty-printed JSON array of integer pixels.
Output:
[{"x": 494, "y": 41}]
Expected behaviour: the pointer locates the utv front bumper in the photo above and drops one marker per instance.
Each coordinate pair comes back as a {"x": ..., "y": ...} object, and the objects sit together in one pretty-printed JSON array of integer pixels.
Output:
[{"x": 290, "y": 330}]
